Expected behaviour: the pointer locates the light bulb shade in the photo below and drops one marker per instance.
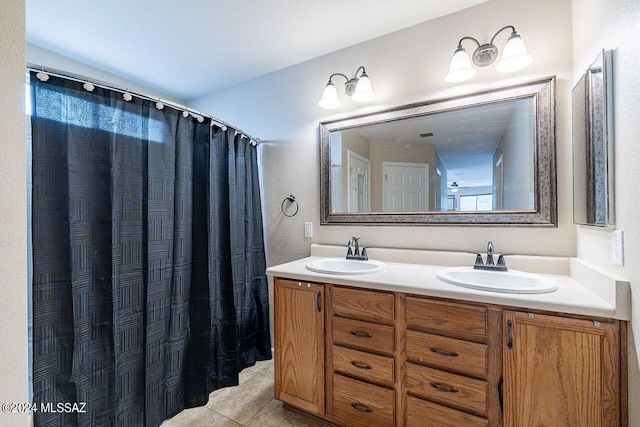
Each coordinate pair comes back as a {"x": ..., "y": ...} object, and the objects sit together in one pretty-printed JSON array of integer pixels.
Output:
[
  {"x": 329, "y": 98},
  {"x": 364, "y": 92},
  {"x": 460, "y": 68},
  {"x": 514, "y": 56}
]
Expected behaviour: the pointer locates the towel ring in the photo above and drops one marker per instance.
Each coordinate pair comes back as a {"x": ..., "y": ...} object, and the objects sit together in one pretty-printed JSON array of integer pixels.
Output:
[{"x": 291, "y": 199}]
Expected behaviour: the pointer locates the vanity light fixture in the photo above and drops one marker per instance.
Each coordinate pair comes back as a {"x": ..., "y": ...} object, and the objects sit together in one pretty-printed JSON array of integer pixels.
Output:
[
  {"x": 358, "y": 88},
  {"x": 454, "y": 187},
  {"x": 514, "y": 57}
]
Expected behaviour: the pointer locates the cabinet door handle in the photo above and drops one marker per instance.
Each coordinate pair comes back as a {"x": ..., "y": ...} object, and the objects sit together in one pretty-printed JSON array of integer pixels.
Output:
[
  {"x": 443, "y": 353},
  {"x": 509, "y": 334},
  {"x": 361, "y": 408},
  {"x": 360, "y": 334},
  {"x": 442, "y": 388},
  {"x": 360, "y": 365},
  {"x": 318, "y": 302}
]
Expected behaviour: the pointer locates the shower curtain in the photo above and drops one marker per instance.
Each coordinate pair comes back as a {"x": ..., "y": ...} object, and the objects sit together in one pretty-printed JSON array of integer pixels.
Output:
[{"x": 149, "y": 286}]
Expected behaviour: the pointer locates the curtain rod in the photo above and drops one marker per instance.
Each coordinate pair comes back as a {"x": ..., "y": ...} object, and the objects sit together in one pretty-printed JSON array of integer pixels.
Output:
[{"x": 111, "y": 86}]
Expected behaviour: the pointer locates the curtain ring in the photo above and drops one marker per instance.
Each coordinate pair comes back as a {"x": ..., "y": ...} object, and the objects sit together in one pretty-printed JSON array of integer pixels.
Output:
[{"x": 291, "y": 199}]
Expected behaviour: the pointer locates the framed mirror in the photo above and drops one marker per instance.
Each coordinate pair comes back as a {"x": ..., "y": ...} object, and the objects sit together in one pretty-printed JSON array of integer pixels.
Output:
[
  {"x": 487, "y": 158},
  {"x": 592, "y": 111}
]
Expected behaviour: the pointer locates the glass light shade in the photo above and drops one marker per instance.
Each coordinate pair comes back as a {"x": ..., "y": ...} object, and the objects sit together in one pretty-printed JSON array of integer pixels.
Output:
[
  {"x": 329, "y": 100},
  {"x": 364, "y": 92},
  {"x": 460, "y": 68},
  {"x": 514, "y": 56}
]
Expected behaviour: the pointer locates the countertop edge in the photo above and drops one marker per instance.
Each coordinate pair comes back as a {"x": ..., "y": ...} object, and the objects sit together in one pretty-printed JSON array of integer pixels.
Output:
[{"x": 572, "y": 297}]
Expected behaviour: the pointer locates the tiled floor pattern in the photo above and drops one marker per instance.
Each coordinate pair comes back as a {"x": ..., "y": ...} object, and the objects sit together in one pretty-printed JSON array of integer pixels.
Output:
[{"x": 250, "y": 404}]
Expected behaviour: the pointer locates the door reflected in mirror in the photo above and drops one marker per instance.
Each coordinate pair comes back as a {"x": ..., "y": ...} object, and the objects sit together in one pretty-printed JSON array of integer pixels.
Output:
[{"x": 477, "y": 159}]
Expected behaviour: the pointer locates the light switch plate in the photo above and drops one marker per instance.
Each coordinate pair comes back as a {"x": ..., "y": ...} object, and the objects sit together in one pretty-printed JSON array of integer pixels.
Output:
[
  {"x": 617, "y": 247},
  {"x": 308, "y": 229}
]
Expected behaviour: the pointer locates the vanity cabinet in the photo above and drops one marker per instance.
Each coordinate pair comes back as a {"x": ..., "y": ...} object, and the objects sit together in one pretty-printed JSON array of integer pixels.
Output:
[
  {"x": 299, "y": 345},
  {"x": 361, "y": 357},
  {"x": 561, "y": 371}
]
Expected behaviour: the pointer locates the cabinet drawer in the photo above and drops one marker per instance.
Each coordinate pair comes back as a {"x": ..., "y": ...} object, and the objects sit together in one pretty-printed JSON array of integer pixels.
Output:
[
  {"x": 446, "y": 317},
  {"x": 366, "y": 366},
  {"x": 356, "y": 403},
  {"x": 363, "y": 304},
  {"x": 449, "y": 388},
  {"x": 421, "y": 413},
  {"x": 363, "y": 335},
  {"x": 463, "y": 356}
]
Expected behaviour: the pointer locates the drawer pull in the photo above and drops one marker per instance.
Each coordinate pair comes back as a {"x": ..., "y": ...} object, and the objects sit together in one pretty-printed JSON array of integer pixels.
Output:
[
  {"x": 443, "y": 353},
  {"x": 361, "y": 408},
  {"x": 360, "y": 334},
  {"x": 443, "y": 389},
  {"x": 360, "y": 365}
]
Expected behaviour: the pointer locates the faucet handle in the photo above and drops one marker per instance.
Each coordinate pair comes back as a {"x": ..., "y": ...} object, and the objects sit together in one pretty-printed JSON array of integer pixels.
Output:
[
  {"x": 478, "y": 261},
  {"x": 501, "y": 262}
]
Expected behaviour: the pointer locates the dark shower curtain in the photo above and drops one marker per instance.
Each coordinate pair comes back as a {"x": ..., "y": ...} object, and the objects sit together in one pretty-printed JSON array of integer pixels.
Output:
[{"x": 149, "y": 286}]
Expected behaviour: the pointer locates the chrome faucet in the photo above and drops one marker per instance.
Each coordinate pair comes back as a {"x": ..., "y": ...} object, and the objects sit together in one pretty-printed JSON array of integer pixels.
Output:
[
  {"x": 489, "y": 264},
  {"x": 353, "y": 251}
]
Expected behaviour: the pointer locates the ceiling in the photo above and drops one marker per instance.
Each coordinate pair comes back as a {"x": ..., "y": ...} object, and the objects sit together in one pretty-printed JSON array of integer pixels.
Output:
[{"x": 190, "y": 48}]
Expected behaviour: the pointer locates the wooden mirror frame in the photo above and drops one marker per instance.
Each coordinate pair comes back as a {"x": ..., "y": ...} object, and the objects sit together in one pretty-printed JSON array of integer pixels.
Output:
[{"x": 545, "y": 213}]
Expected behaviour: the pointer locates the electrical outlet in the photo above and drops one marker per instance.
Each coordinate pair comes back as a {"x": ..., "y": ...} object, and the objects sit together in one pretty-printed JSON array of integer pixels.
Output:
[
  {"x": 308, "y": 229},
  {"x": 617, "y": 247}
]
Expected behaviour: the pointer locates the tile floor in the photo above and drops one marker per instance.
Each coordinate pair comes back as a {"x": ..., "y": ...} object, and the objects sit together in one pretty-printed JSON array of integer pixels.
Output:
[{"x": 250, "y": 404}]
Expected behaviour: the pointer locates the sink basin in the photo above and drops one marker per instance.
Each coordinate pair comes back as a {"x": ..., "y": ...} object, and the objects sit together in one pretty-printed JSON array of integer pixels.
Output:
[
  {"x": 512, "y": 281},
  {"x": 345, "y": 266}
]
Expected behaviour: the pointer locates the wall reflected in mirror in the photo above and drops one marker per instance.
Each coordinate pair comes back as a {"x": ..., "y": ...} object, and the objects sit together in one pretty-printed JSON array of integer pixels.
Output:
[
  {"x": 592, "y": 106},
  {"x": 479, "y": 158}
]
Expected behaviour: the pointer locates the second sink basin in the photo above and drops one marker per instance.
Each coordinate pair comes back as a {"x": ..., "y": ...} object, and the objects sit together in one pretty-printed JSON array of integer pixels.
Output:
[
  {"x": 345, "y": 266},
  {"x": 517, "y": 282}
]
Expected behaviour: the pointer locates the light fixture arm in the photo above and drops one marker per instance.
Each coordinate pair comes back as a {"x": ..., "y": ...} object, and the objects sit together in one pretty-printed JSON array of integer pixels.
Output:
[
  {"x": 364, "y": 72},
  {"x": 337, "y": 74},
  {"x": 468, "y": 38},
  {"x": 513, "y": 31}
]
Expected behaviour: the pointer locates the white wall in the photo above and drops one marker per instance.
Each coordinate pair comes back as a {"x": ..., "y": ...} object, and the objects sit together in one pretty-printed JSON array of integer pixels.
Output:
[
  {"x": 407, "y": 66},
  {"x": 13, "y": 226},
  {"x": 46, "y": 58},
  {"x": 616, "y": 24}
]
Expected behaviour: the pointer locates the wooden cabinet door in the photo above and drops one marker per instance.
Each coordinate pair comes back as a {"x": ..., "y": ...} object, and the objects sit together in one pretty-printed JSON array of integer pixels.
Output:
[
  {"x": 299, "y": 344},
  {"x": 560, "y": 371}
]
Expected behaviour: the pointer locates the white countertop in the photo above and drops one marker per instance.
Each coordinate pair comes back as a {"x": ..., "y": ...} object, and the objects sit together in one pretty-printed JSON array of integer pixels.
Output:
[{"x": 571, "y": 296}]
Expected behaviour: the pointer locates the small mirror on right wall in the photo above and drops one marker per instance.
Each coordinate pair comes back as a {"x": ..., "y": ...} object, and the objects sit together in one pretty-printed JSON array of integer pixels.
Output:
[{"x": 592, "y": 106}]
